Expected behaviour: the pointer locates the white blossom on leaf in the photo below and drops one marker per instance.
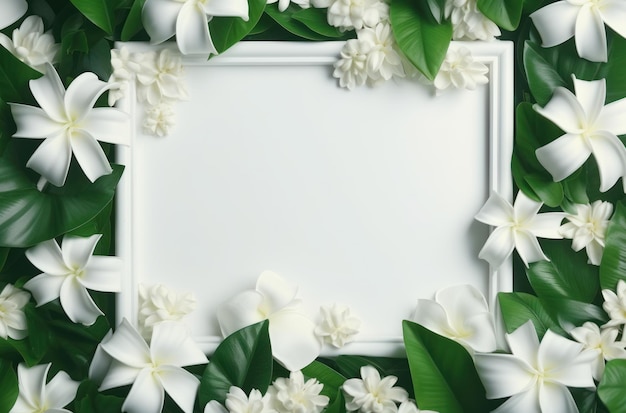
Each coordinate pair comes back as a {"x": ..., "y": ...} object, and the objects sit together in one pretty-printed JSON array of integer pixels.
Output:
[
  {"x": 12, "y": 318},
  {"x": 31, "y": 45},
  {"x": 468, "y": 23},
  {"x": 12, "y": 10},
  {"x": 602, "y": 342},
  {"x": 537, "y": 375},
  {"x": 294, "y": 395},
  {"x": 383, "y": 58},
  {"x": 587, "y": 228},
  {"x": 337, "y": 326},
  {"x": 238, "y": 402},
  {"x": 159, "y": 120},
  {"x": 461, "y": 314},
  {"x": 351, "y": 69},
  {"x": 69, "y": 124},
  {"x": 615, "y": 304},
  {"x": 356, "y": 14},
  {"x": 69, "y": 271},
  {"x": 371, "y": 394},
  {"x": 155, "y": 369},
  {"x": 590, "y": 127},
  {"x": 160, "y": 78},
  {"x": 517, "y": 227},
  {"x": 188, "y": 19},
  {"x": 292, "y": 333},
  {"x": 460, "y": 70},
  {"x": 283, "y": 4},
  {"x": 35, "y": 396},
  {"x": 158, "y": 304},
  {"x": 584, "y": 20},
  {"x": 410, "y": 407}
]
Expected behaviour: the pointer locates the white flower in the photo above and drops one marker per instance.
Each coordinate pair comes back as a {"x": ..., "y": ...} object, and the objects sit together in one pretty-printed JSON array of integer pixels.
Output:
[
  {"x": 294, "y": 395},
  {"x": 37, "y": 397},
  {"x": 283, "y": 4},
  {"x": 460, "y": 70},
  {"x": 461, "y": 314},
  {"x": 468, "y": 23},
  {"x": 518, "y": 227},
  {"x": 238, "y": 402},
  {"x": 615, "y": 305},
  {"x": 160, "y": 119},
  {"x": 338, "y": 326},
  {"x": 356, "y": 14},
  {"x": 68, "y": 272},
  {"x": 373, "y": 395},
  {"x": 69, "y": 124},
  {"x": 161, "y": 78},
  {"x": 590, "y": 128},
  {"x": 31, "y": 45},
  {"x": 588, "y": 227},
  {"x": 153, "y": 370},
  {"x": 584, "y": 20},
  {"x": 383, "y": 58},
  {"x": 12, "y": 10},
  {"x": 410, "y": 407},
  {"x": 292, "y": 333},
  {"x": 125, "y": 66},
  {"x": 12, "y": 317},
  {"x": 188, "y": 19},
  {"x": 536, "y": 375},
  {"x": 158, "y": 304},
  {"x": 602, "y": 343},
  {"x": 351, "y": 69}
]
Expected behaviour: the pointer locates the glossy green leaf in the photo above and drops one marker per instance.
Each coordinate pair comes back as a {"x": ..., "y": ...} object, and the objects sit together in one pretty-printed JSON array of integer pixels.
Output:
[
  {"x": 288, "y": 22},
  {"x": 316, "y": 20},
  {"x": 551, "y": 193},
  {"x": 89, "y": 400},
  {"x": 330, "y": 378},
  {"x": 542, "y": 75},
  {"x": 14, "y": 78},
  {"x": 133, "y": 24},
  {"x": 226, "y": 31},
  {"x": 28, "y": 216},
  {"x": 611, "y": 387},
  {"x": 613, "y": 265},
  {"x": 518, "y": 308},
  {"x": 422, "y": 40},
  {"x": 8, "y": 386},
  {"x": 504, "y": 13},
  {"x": 4, "y": 254},
  {"x": 243, "y": 359},
  {"x": 444, "y": 376},
  {"x": 571, "y": 313},
  {"x": 100, "y": 12}
]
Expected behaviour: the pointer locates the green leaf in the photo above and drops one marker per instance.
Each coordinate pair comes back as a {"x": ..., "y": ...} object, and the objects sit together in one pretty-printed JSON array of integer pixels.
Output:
[
  {"x": 613, "y": 265},
  {"x": 571, "y": 313},
  {"x": 611, "y": 387},
  {"x": 542, "y": 76},
  {"x": 100, "y": 12},
  {"x": 133, "y": 24},
  {"x": 331, "y": 379},
  {"x": 243, "y": 359},
  {"x": 28, "y": 216},
  {"x": 518, "y": 308},
  {"x": 504, "y": 13},
  {"x": 444, "y": 376},
  {"x": 437, "y": 9},
  {"x": 226, "y": 31},
  {"x": 315, "y": 19},
  {"x": 14, "y": 78},
  {"x": 551, "y": 193},
  {"x": 288, "y": 22},
  {"x": 89, "y": 400},
  {"x": 8, "y": 384},
  {"x": 424, "y": 42}
]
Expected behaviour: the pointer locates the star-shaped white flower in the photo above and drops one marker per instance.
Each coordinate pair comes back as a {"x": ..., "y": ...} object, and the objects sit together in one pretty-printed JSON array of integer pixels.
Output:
[
  {"x": 587, "y": 228},
  {"x": 584, "y": 20},
  {"x": 337, "y": 326},
  {"x": 460, "y": 70},
  {"x": 615, "y": 304},
  {"x": 537, "y": 374},
  {"x": 371, "y": 394},
  {"x": 283, "y": 4},
  {"x": 602, "y": 342},
  {"x": 37, "y": 397},
  {"x": 517, "y": 227},
  {"x": 69, "y": 124},
  {"x": 188, "y": 19},
  {"x": 461, "y": 314},
  {"x": 69, "y": 271},
  {"x": 31, "y": 45},
  {"x": 590, "y": 127},
  {"x": 12, "y": 10},
  {"x": 153, "y": 370},
  {"x": 292, "y": 333},
  {"x": 12, "y": 317},
  {"x": 294, "y": 395}
]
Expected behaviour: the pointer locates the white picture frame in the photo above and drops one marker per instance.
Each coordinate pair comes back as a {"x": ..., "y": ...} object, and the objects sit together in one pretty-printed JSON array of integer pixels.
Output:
[{"x": 230, "y": 153}]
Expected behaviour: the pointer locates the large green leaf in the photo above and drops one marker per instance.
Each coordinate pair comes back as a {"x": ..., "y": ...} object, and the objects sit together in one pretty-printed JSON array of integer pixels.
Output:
[
  {"x": 444, "y": 376},
  {"x": 133, "y": 24},
  {"x": 613, "y": 265},
  {"x": 518, "y": 308},
  {"x": 243, "y": 359},
  {"x": 28, "y": 216},
  {"x": 226, "y": 31},
  {"x": 505, "y": 13},
  {"x": 89, "y": 400},
  {"x": 8, "y": 386},
  {"x": 100, "y": 12},
  {"x": 542, "y": 75},
  {"x": 315, "y": 19},
  {"x": 14, "y": 78},
  {"x": 423, "y": 41},
  {"x": 611, "y": 387},
  {"x": 571, "y": 313},
  {"x": 294, "y": 26}
]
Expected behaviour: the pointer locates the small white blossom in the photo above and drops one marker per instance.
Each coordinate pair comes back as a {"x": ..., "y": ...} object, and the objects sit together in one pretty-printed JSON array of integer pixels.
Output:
[
  {"x": 338, "y": 326},
  {"x": 161, "y": 78},
  {"x": 468, "y": 23},
  {"x": 283, "y": 4},
  {"x": 351, "y": 69},
  {"x": 615, "y": 305},
  {"x": 410, "y": 407},
  {"x": 294, "y": 395},
  {"x": 160, "y": 119},
  {"x": 31, "y": 45},
  {"x": 460, "y": 70},
  {"x": 35, "y": 396},
  {"x": 602, "y": 342},
  {"x": 371, "y": 394},
  {"x": 383, "y": 58},
  {"x": 157, "y": 304},
  {"x": 12, "y": 317},
  {"x": 587, "y": 228},
  {"x": 125, "y": 66},
  {"x": 238, "y": 402},
  {"x": 356, "y": 14}
]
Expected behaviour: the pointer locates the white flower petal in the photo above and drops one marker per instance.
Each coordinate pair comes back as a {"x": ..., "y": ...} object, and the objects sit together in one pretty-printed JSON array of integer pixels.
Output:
[
  {"x": 78, "y": 250},
  {"x": 103, "y": 274},
  {"x": 528, "y": 247},
  {"x": 526, "y": 402},
  {"x": 563, "y": 359},
  {"x": 159, "y": 19},
  {"x": 240, "y": 311},
  {"x": 82, "y": 94},
  {"x": 89, "y": 155},
  {"x": 100, "y": 362},
  {"x": 49, "y": 92},
  {"x": 524, "y": 342},
  {"x": 498, "y": 247},
  {"x": 181, "y": 385},
  {"x": 47, "y": 256},
  {"x": 610, "y": 156},
  {"x": 612, "y": 118},
  {"x": 192, "y": 31},
  {"x": 45, "y": 288},
  {"x": 52, "y": 160},
  {"x": 555, "y": 22},
  {"x": 460, "y": 301},
  {"x": 32, "y": 381},
  {"x": 563, "y": 156},
  {"x": 503, "y": 375},
  {"x": 591, "y": 95},
  {"x": 118, "y": 374},
  {"x": 33, "y": 122},
  {"x": 108, "y": 125},
  {"x": 594, "y": 252},
  {"x": 77, "y": 303},
  {"x": 61, "y": 390},
  {"x": 171, "y": 344},
  {"x": 556, "y": 398},
  {"x": 496, "y": 211},
  {"x": 12, "y": 10},
  {"x": 564, "y": 110},
  {"x": 146, "y": 395},
  {"x": 293, "y": 339},
  {"x": 614, "y": 15},
  {"x": 276, "y": 291},
  {"x": 483, "y": 334},
  {"x": 547, "y": 225},
  {"x": 214, "y": 407},
  {"x": 432, "y": 316},
  {"x": 128, "y": 346},
  {"x": 236, "y": 8},
  {"x": 590, "y": 34},
  {"x": 525, "y": 208}
]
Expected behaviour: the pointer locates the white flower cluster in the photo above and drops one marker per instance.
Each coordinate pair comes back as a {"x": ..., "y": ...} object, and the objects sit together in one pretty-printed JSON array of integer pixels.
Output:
[
  {"x": 31, "y": 45},
  {"x": 371, "y": 394},
  {"x": 338, "y": 326},
  {"x": 12, "y": 317},
  {"x": 460, "y": 70},
  {"x": 159, "y": 80},
  {"x": 587, "y": 228},
  {"x": 157, "y": 304},
  {"x": 602, "y": 342},
  {"x": 468, "y": 23}
]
